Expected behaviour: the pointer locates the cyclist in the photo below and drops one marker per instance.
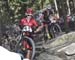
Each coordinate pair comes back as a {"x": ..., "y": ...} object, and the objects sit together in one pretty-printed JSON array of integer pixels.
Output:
[{"x": 29, "y": 21}]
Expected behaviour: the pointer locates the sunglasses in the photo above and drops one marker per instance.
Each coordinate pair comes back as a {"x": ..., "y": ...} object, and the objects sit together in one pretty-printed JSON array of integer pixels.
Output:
[{"x": 29, "y": 15}]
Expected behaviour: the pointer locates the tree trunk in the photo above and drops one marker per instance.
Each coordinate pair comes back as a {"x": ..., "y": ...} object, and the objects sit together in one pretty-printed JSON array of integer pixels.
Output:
[
  {"x": 69, "y": 11},
  {"x": 56, "y": 7},
  {"x": 74, "y": 3}
]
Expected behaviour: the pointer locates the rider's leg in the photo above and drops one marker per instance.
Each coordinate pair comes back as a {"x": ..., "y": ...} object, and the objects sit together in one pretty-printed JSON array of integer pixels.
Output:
[
  {"x": 47, "y": 31},
  {"x": 28, "y": 55}
]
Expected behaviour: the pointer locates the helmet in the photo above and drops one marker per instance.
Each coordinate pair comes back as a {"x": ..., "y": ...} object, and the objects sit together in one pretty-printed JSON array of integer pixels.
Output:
[{"x": 29, "y": 11}]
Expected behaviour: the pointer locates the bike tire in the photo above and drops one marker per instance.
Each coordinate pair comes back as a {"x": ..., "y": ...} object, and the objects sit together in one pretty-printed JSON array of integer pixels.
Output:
[
  {"x": 58, "y": 28},
  {"x": 32, "y": 43},
  {"x": 55, "y": 30}
]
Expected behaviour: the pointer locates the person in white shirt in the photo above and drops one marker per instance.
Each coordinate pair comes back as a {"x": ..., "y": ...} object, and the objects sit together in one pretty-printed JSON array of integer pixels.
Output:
[{"x": 7, "y": 55}]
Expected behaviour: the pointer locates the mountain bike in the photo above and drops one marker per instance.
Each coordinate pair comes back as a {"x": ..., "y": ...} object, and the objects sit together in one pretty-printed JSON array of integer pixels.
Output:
[{"x": 25, "y": 43}]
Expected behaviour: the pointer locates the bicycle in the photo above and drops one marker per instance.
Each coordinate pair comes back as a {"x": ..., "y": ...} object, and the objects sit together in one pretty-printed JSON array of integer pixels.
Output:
[{"x": 25, "y": 41}]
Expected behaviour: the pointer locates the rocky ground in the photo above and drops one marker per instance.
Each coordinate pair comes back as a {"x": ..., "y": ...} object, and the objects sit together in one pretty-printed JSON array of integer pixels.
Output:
[{"x": 61, "y": 48}]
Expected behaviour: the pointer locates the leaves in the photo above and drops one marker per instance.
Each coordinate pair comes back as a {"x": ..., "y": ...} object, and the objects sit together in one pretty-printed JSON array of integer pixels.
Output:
[{"x": 14, "y": 9}]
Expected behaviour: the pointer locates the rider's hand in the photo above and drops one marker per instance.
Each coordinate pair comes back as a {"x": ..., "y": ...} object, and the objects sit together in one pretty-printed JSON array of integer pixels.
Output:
[{"x": 35, "y": 32}]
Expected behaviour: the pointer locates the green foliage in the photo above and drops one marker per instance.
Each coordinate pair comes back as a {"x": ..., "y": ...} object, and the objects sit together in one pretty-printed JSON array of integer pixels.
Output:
[
  {"x": 13, "y": 10},
  {"x": 23, "y": 0}
]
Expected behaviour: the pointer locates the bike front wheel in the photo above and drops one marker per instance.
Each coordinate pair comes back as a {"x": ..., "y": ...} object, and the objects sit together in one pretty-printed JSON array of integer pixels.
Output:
[{"x": 20, "y": 45}]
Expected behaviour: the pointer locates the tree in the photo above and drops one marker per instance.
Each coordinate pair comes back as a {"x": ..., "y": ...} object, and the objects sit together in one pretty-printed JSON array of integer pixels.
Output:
[{"x": 14, "y": 9}]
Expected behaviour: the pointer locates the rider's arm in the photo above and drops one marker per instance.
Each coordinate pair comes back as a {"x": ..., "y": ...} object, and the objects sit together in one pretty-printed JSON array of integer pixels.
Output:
[
  {"x": 35, "y": 23},
  {"x": 21, "y": 23},
  {"x": 38, "y": 27}
]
